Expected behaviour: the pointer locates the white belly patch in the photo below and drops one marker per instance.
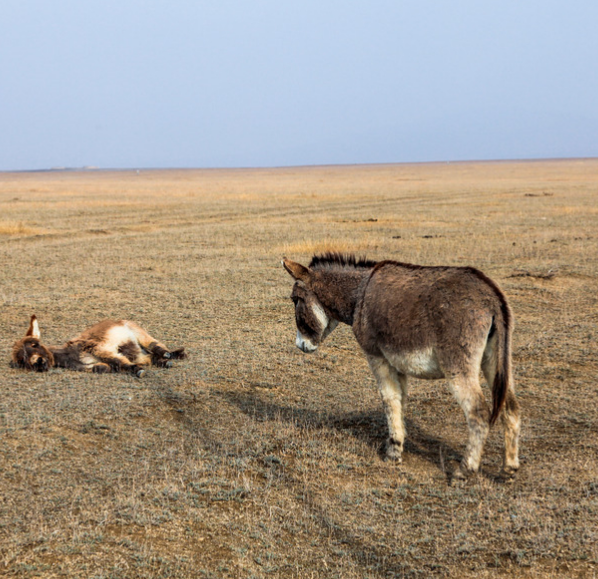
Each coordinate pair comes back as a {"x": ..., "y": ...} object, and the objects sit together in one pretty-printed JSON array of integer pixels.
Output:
[
  {"x": 117, "y": 336},
  {"x": 417, "y": 363}
]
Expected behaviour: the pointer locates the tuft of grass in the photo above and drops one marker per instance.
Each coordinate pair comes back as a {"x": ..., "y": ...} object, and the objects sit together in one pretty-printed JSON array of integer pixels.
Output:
[{"x": 18, "y": 228}]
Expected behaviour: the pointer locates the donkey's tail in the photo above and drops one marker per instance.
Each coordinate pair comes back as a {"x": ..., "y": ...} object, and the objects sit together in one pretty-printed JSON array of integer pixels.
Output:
[{"x": 503, "y": 378}]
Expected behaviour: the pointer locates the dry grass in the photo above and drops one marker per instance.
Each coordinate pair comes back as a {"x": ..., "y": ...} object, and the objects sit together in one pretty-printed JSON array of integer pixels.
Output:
[
  {"x": 252, "y": 459},
  {"x": 18, "y": 228},
  {"x": 312, "y": 246}
]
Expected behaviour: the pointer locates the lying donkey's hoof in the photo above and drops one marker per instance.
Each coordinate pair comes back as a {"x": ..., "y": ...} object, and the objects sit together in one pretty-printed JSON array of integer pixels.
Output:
[
  {"x": 101, "y": 369},
  {"x": 158, "y": 352},
  {"x": 139, "y": 373},
  {"x": 163, "y": 363},
  {"x": 179, "y": 354}
]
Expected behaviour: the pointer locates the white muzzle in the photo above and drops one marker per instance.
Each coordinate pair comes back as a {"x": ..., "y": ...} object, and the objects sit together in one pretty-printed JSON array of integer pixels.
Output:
[{"x": 304, "y": 344}]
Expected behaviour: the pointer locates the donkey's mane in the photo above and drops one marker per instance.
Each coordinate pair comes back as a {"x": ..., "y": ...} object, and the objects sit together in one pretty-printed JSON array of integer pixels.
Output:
[{"x": 341, "y": 259}]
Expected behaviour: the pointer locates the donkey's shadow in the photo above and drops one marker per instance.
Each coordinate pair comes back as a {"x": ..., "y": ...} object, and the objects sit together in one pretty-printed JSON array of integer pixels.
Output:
[{"x": 368, "y": 426}]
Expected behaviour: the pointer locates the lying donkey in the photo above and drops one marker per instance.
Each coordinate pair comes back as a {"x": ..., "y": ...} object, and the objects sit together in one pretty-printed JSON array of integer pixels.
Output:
[
  {"x": 425, "y": 322},
  {"x": 108, "y": 346}
]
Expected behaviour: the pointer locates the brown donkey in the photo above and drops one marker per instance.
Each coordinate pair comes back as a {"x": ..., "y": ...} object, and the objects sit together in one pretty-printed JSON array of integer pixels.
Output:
[
  {"x": 425, "y": 322},
  {"x": 108, "y": 346}
]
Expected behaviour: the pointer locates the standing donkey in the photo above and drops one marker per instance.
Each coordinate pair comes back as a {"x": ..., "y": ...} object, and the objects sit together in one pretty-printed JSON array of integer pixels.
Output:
[
  {"x": 109, "y": 346},
  {"x": 425, "y": 322}
]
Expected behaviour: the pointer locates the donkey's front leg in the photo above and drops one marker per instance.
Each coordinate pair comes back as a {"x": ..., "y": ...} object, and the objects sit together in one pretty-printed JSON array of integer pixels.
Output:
[
  {"x": 119, "y": 363},
  {"x": 393, "y": 389}
]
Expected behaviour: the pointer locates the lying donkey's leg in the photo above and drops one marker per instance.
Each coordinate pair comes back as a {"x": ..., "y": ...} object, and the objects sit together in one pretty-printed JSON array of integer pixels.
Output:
[
  {"x": 118, "y": 362},
  {"x": 101, "y": 368},
  {"x": 393, "y": 389},
  {"x": 178, "y": 354},
  {"x": 159, "y": 352},
  {"x": 70, "y": 358}
]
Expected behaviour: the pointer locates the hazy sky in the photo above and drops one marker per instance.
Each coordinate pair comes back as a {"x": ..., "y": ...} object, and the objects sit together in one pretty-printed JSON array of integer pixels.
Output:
[{"x": 190, "y": 83}]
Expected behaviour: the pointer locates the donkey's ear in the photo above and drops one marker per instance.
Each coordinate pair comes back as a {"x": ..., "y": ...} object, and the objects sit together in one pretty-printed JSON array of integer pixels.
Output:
[
  {"x": 297, "y": 271},
  {"x": 33, "y": 328}
]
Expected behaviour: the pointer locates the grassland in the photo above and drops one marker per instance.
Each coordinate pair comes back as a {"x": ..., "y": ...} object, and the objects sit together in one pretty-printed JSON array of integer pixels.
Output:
[{"x": 251, "y": 459}]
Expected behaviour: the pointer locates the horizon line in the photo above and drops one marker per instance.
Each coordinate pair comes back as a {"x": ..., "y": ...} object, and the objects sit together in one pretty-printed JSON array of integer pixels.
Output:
[{"x": 93, "y": 168}]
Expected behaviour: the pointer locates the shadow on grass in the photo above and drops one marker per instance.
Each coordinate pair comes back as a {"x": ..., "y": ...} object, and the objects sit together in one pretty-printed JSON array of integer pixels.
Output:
[
  {"x": 217, "y": 416},
  {"x": 368, "y": 426},
  {"x": 201, "y": 415},
  {"x": 204, "y": 416}
]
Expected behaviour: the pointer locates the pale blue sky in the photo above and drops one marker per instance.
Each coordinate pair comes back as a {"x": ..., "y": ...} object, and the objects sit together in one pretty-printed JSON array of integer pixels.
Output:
[{"x": 189, "y": 83}]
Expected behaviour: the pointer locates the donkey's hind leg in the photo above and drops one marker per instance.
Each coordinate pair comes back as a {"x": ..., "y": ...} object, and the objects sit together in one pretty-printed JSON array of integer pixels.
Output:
[
  {"x": 512, "y": 425},
  {"x": 161, "y": 355},
  {"x": 509, "y": 418},
  {"x": 393, "y": 390},
  {"x": 469, "y": 395},
  {"x": 149, "y": 343},
  {"x": 178, "y": 354}
]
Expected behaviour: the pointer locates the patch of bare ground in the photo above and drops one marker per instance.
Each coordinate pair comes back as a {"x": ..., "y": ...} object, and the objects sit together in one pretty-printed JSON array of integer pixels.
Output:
[{"x": 251, "y": 459}]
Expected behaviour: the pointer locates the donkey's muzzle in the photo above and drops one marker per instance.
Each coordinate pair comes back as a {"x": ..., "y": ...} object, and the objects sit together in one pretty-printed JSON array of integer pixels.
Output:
[
  {"x": 41, "y": 365},
  {"x": 304, "y": 344}
]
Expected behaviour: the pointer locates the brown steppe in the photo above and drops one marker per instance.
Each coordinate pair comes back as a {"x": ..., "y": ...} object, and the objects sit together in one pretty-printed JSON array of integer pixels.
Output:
[{"x": 252, "y": 459}]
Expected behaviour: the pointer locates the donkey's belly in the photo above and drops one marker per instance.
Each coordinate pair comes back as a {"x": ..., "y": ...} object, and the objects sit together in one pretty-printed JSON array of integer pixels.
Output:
[{"x": 417, "y": 363}]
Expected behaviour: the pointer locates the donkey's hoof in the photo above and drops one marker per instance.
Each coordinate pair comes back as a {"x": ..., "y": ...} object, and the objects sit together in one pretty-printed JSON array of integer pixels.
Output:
[
  {"x": 139, "y": 373},
  {"x": 393, "y": 455},
  {"x": 101, "y": 369},
  {"x": 394, "y": 451},
  {"x": 168, "y": 364},
  {"x": 462, "y": 474},
  {"x": 507, "y": 475},
  {"x": 166, "y": 355}
]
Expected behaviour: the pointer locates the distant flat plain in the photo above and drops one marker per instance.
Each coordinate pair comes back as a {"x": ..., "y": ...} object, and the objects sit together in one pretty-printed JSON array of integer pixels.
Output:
[{"x": 252, "y": 459}]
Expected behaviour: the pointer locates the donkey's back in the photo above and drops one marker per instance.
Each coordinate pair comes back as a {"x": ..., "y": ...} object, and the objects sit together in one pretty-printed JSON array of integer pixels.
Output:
[{"x": 444, "y": 314}]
